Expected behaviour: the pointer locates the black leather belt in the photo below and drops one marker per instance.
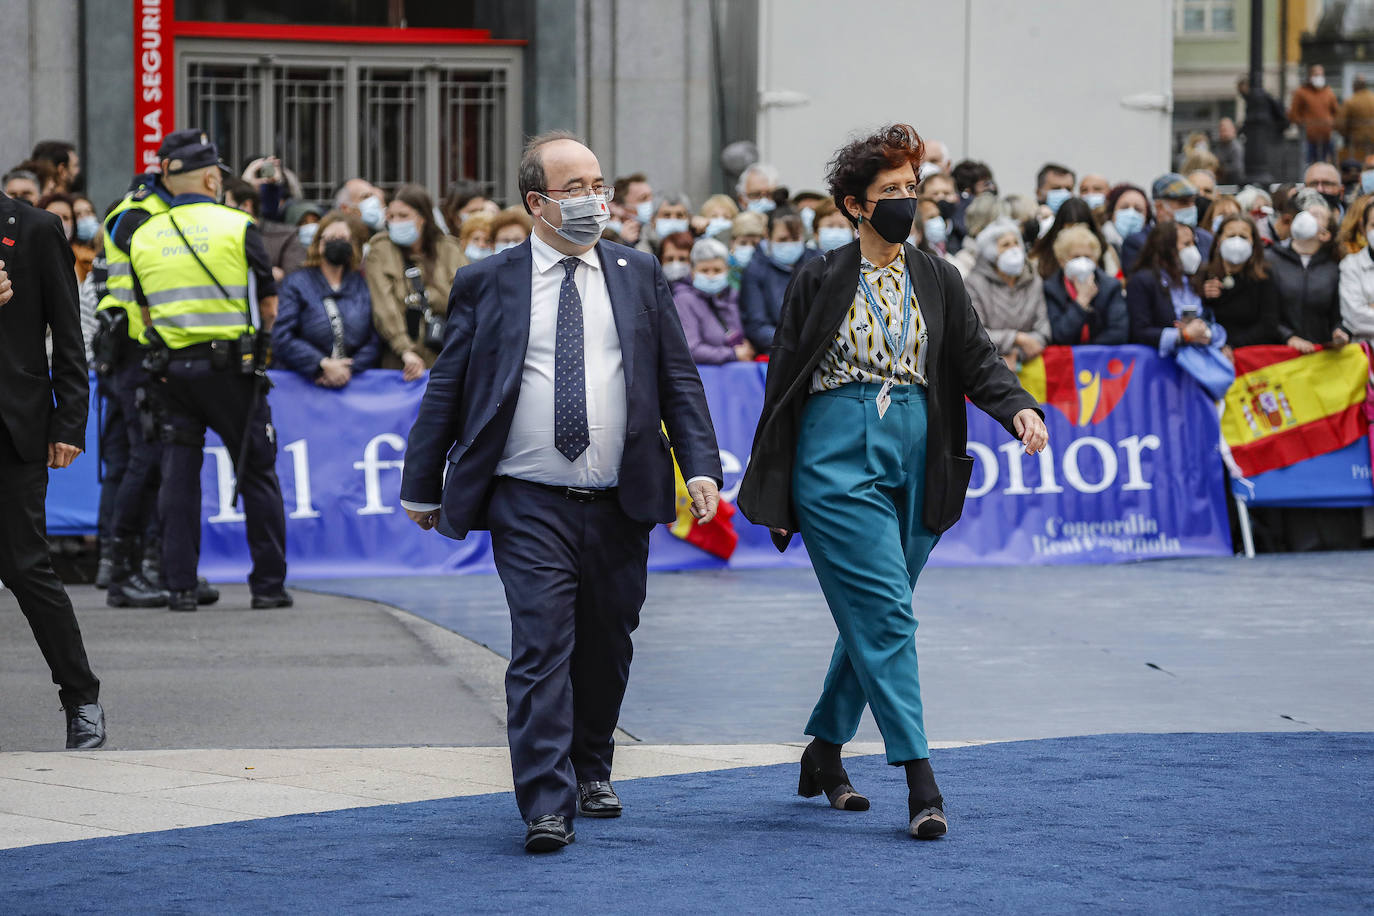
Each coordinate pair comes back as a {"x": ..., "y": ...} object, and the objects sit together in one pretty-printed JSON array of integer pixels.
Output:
[{"x": 577, "y": 494}]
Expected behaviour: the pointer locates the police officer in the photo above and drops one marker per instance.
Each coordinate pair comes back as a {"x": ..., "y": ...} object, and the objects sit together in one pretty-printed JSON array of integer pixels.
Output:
[
  {"x": 204, "y": 283},
  {"x": 119, "y": 344}
]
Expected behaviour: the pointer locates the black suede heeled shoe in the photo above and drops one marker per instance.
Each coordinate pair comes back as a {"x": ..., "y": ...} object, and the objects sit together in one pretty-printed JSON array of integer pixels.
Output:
[
  {"x": 927, "y": 817},
  {"x": 833, "y": 782}
]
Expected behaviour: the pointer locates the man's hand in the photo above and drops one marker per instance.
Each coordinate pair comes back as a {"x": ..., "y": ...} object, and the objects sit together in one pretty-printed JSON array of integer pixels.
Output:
[
  {"x": 1030, "y": 429},
  {"x": 705, "y": 500},
  {"x": 6, "y": 287},
  {"x": 61, "y": 455},
  {"x": 426, "y": 520}
]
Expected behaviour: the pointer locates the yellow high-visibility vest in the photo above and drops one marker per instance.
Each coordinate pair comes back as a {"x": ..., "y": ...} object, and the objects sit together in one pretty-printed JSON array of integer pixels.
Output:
[{"x": 119, "y": 282}]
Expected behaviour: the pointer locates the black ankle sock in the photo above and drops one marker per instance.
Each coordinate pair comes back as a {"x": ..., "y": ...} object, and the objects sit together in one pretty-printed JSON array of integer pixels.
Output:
[
  {"x": 920, "y": 780},
  {"x": 825, "y": 755}
]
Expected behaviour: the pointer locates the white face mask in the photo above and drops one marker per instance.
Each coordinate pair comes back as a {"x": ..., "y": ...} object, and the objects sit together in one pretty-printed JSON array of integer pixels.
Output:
[
  {"x": 1236, "y": 250},
  {"x": 1304, "y": 227},
  {"x": 676, "y": 270},
  {"x": 1079, "y": 269},
  {"x": 1011, "y": 262},
  {"x": 1190, "y": 259},
  {"x": 1318, "y": 82}
]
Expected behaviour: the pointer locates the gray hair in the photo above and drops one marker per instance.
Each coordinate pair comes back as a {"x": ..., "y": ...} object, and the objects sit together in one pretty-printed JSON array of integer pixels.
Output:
[
  {"x": 987, "y": 239},
  {"x": 1251, "y": 197},
  {"x": 531, "y": 174},
  {"x": 1310, "y": 197},
  {"x": 758, "y": 168},
  {"x": 22, "y": 175},
  {"x": 984, "y": 208},
  {"x": 708, "y": 248},
  {"x": 677, "y": 197}
]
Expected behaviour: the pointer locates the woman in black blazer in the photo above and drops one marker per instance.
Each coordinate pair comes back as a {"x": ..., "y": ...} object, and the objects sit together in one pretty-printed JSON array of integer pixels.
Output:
[{"x": 861, "y": 449}]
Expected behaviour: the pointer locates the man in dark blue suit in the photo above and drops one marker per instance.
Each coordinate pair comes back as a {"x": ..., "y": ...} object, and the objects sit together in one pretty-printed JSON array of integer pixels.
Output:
[
  {"x": 1175, "y": 199},
  {"x": 542, "y": 423}
]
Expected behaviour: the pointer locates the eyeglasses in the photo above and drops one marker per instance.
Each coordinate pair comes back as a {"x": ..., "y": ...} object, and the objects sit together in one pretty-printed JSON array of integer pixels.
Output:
[{"x": 599, "y": 190}]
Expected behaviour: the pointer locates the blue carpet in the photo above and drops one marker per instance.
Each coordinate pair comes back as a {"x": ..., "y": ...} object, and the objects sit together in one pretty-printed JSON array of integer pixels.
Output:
[{"x": 1163, "y": 823}]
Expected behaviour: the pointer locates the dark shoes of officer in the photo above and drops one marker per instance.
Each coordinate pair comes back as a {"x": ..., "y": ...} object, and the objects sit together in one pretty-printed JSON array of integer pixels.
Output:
[
  {"x": 104, "y": 568},
  {"x": 548, "y": 833},
  {"x": 85, "y": 726},
  {"x": 191, "y": 598},
  {"x": 128, "y": 588},
  {"x": 276, "y": 599},
  {"x": 598, "y": 799}
]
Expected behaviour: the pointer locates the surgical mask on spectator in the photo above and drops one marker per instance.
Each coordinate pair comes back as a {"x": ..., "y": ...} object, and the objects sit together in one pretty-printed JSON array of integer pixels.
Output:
[
  {"x": 1216, "y": 223},
  {"x": 372, "y": 213},
  {"x": 1095, "y": 200},
  {"x": 1186, "y": 216},
  {"x": 503, "y": 246},
  {"x": 583, "y": 218},
  {"x": 1011, "y": 262},
  {"x": 476, "y": 252},
  {"x": 615, "y": 225},
  {"x": 808, "y": 218},
  {"x": 1046, "y": 223},
  {"x": 338, "y": 252},
  {"x": 1318, "y": 82},
  {"x": 786, "y": 253},
  {"x": 403, "y": 232},
  {"x": 1236, "y": 250},
  {"x": 1055, "y": 197},
  {"x": 831, "y": 237},
  {"x": 936, "y": 230},
  {"x": 1304, "y": 227},
  {"x": 305, "y": 233},
  {"x": 1079, "y": 269},
  {"x": 1367, "y": 181},
  {"x": 1128, "y": 221},
  {"x": 1190, "y": 259},
  {"x": 717, "y": 225},
  {"x": 711, "y": 284},
  {"x": 644, "y": 210},
  {"x": 742, "y": 255},
  {"x": 763, "y": 205},
  {"x": 86, "y": 228},
  {"x": 676, "y": 270},
  {"x": 892, "y": 218},
  {"x": 666, "y": 227}
]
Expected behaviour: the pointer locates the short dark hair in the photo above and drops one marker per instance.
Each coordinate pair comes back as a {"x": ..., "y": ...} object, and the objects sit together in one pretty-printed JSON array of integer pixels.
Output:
[
  {"x": 967, "y": 173},
  {"x": 855, "y": 165},
  {"x": 461, "y": 193},
  {"x": 58, "y": 152},
  {"x": 677, "y": 240},
  {"x": 1048, "y": 169},
  {"x": 1074, "y": 212},
  {"x": 790, "y": 220},
  {"x": 242, "y": 190},
  {"x": 532, "y": 176},
  {"x": 622, "y": 185}
]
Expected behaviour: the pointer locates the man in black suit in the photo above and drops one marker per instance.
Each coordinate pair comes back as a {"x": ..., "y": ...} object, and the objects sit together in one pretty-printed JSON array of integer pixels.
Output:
[
  {"x": 563, "y": 360},
  {"x": 42, "y": 425}
]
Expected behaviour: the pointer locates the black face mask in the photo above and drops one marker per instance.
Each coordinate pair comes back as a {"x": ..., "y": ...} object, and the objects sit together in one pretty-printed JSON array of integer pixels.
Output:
[
  {"x": 1332, "y": 200},
  {"x": 892, "y": 218},
  {"x": 946, "y": 208},
  {"x": 338, "y": 252}
]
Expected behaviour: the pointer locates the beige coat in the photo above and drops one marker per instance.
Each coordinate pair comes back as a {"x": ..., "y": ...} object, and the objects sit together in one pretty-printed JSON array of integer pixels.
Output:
[
  {"x": 1008, "y": 310},
  {"x": 1355, "y": 121},
  {"x": 385, "y": 268}
]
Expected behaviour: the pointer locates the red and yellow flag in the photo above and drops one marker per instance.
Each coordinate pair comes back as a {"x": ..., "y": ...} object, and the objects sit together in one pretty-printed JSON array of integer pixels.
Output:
[
  {"x": 1285, "y": 407},
  {"x": 717, "y": 537},
  {"x": 1084, "y": 394}
]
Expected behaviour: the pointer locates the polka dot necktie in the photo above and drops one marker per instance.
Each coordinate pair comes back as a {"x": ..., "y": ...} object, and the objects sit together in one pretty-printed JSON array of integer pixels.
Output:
[{"x": 570, "y": 434}]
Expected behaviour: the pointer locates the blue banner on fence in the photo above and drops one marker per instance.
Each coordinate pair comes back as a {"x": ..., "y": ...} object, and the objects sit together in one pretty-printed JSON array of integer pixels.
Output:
[
  {"x": 1338, "y": 479},
  {"x": 1138, "y": 479}
]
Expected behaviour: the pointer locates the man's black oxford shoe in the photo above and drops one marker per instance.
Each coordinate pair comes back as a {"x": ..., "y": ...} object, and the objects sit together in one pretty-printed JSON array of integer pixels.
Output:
[
  {"x": 598, "y": 799},
  {"x": 548, "y": 833},
  {"x": 280, "y": 599},
  {"x": 184, "y": 600},
  {"x": 85, "y": 726}
]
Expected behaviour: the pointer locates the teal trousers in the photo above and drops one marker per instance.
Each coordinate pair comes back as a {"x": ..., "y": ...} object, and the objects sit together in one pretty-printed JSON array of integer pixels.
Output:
[{"x": 858, "y": 487}]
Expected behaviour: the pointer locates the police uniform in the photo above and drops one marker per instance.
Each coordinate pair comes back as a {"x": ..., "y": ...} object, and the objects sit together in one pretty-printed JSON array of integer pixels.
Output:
[
  {"x": 199, "y": 269},
  {"x": 134, "y": 504}
]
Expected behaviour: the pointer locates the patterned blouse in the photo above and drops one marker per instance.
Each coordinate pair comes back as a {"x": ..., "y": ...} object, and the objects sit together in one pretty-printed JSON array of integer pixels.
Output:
[{"x": 860, "y": 351}]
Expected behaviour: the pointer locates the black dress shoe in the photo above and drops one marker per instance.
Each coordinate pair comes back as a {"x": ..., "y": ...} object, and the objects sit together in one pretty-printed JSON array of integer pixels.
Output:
[
  {"x": 85, "y": 726},
  {"x": 927, "y": 817},
  {"x": 598, "y": 799},
  {"x": 205, "y": 592},
  {"x": 182, "y": 600},
  {"x": 548, "y": 833},
  {"x": 280, "y": 599},
  {"x": 833, "y": 780}
]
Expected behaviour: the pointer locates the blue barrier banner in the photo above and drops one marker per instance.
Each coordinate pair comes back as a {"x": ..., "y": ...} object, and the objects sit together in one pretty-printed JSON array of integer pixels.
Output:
[
  {"x": 1135, "y": 478},
  {"x": 1339, "y": 479}
]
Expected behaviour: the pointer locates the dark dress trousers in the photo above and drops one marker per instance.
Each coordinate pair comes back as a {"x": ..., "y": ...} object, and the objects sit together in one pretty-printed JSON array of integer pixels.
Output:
[
  {"x": 574, "y": 571},
  {"x": 37, "y": 408},
  {"x": 962, "y": 362}
]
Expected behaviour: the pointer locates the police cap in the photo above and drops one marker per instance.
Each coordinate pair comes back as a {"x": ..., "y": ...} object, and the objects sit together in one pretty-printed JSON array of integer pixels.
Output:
[{"x": 187, "y": 151}]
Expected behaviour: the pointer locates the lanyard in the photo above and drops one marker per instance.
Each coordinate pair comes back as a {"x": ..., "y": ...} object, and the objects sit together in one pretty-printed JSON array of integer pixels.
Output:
[{"x": 897, "y": 347}]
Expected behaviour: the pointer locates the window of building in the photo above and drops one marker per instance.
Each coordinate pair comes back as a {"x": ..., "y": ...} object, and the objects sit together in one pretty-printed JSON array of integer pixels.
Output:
[{"x": 1205, "y": 17}]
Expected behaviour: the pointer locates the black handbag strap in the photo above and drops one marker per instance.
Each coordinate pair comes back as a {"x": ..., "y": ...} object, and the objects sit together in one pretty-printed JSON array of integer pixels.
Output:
[{"x": 247, "y": 310}]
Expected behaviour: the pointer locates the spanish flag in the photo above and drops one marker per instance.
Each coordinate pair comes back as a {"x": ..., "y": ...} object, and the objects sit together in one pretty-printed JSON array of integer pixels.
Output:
[
  {"x": 1285, "y": 407},
  {"x": 717, "y": 537}
]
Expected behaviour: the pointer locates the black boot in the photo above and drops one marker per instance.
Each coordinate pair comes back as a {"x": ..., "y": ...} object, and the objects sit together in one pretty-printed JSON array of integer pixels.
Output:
[
  {"x": 821, "y": 771},
  {"x": 205, "y": 592},
  {"x": 182, "y": 600},
  {"x": 105, "y": 567},
  {"x": 128, "y": 588},
  {"x": 152, "y": 562},
  {"x": 925, "y": 805}
]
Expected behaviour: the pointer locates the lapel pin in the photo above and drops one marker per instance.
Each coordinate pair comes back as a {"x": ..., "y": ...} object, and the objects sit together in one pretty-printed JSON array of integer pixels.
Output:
[{"x": 621, "y": 262}]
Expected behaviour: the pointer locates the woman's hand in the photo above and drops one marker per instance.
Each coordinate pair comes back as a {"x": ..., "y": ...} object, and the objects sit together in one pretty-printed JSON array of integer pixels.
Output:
[
  {"x": 1211, "y": 289},
  {"x": 1030, "y": 429},
  {"x": 1338, "y": 336},
  {"x": 335, "y": 373},
  {"x": 1086, "y": 292},
  {"x": 1196, "y": 331},
  {"x": 745, "y": 352},
  {"x": 1301, "y": 345},
  {"x": 412, "y": 366},
  {"x": 1029, "y": 345}
]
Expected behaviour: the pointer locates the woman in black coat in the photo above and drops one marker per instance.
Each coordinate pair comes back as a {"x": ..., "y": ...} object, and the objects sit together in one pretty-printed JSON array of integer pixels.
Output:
[
  {"x": 1236, "y": 286},
  {"x": 861, "y": 448},
  {"x": 1307, "y": 275}
]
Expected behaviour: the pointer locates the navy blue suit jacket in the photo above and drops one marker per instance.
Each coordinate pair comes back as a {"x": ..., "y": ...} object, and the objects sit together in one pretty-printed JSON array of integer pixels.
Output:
[{"x": 466, "y": 414}]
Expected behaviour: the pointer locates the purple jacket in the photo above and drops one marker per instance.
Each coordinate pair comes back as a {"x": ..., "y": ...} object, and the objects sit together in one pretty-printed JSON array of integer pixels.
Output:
[{"x": 711, "y": 323}]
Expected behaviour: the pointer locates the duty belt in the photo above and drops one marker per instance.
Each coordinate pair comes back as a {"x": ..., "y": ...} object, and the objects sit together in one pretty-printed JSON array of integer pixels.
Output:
[{"x": 577, "y": 494}]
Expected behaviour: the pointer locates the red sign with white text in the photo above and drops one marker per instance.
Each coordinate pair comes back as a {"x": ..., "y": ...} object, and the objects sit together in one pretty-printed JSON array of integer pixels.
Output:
[{"x": 153, "y": 79}]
